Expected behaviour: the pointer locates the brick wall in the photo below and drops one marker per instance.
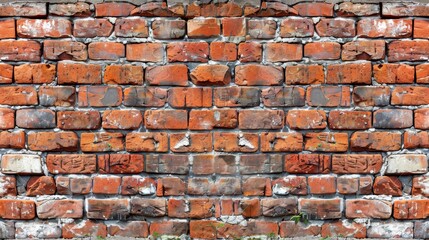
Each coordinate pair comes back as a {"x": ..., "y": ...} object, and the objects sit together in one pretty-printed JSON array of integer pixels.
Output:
[{"x": 214, "y": 120}]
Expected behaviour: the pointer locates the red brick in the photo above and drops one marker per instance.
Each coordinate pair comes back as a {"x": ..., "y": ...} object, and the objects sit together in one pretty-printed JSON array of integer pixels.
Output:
[
  {"x": 411, "y": 209},
  {"x": 171, "y": 119},
  {"x": 234, "y": 27},
  {"x": 364, "y": 50},
  {"x": 43, "y": 28},
  {"x": 35, "y": 73},
  {"x": 305, "y": 74},
  {"x": 315, "y": 9},
  {"x": 387, "y": 28},
  {"x": 348, "y": 9},
  {"x": 350, "y": 120},
  {"x": 158, "y": 9},
  {"x": 328, "y": 96},
  {"x": 349, "y": 73},
  {"x": 235, "y": 142},
  {"x": 64, "y": 50},
  {"x": 53, "y": 141},
  {"x": 7, "y": 118},
  {"x": 416, "y": 139},
  {"x": 131, "y": 27},
  {"x": 76, "y": 120},
  {"x": 7, "y": 28},
  {"x": 344, "y": 228},
  {"x": 290, "y": 229},
  {"x": 84, "y": 228},
  {"x": 306, "y": 119},
  {"x": 80, "y": 185},
  {"x": 203, "y": 28},
  {"x": 6, "y": 73},
  {"x": 399, "y": 10},
  {"x": 283, "y": 52},
  {"x": 113, "y": 9},
  {"x": 122, "y": 119},
  {"x": 147, "y": 142},
  {"x": 356, "y": 163},
  {"x": 170, "y": 186},
  {"x": 106, "y": 50},
  {"x": 410, "y": 95},
  {"x": 35, "y": 118},
  {"x": 307, "y": 163},
  {"x": 326, "y": 142},
  {"x": 8, "y": 186},
  {"x": 408, "y": 50},
  {"x": 260, "y": 119},
  {"x": 191, "y": 142},
  {"x": 393, "y": 73},
  {"x": 71, "y": 163},
  {"x": 18, "y": 95},
  {"x": 223, "y": 51},
  {"x": 296, "y": 27},
  {"x": 362, "y": 208},
  {"x": 188, "y": 52},
  {"x": 90, "y": 28},
  {"x": 421, "y": 118},
  {"x": 375, "y": 141},
  {"x": 175, "y": 228},
  {"x": 79, "y": 9},
  {"x": 176, "y": 75},
  {"x": 65, "y": 208},
  {"x": 101, "y": 142},
  {"x": 250, "y": 52},
  {"x": 420, "y": 186},
  {"x": 420, "y": 28},
  {"x": 324, "y": 184},
  {"x": 295, "y": 185},
  {"x": 20, "y": 50},
  {"x": 348, "y": 184},
  {"x": 339, "y": 28},
  {"x": 126, "y": 74},
  {"x": 255, "y": 74},
  {"x": 269, "y": 9},
  {"x": 258, "y": 186},
  {"x": 179, "y": 97},
  {"x": 322, "y": 50},
  {"x": 17, "y": 209},
  {"x": 422, "y": 73},
  {"x": 106, "y": 184},
  {"x": 261, "y": 163},
  {"x": 322, "y": 208},
  {"x": 145, "y": 52},
  {"x": 132, "y": 185},
  {"x": 43, "y": 185},
  {"x": 14, "y": 140},
  {"x": 168, "y": 29},
  {"x": 120, "y": 163},
  {"x": 387, "y": 185},
  {"x": 211, "y": 74},
  {"x": 281, "y": 142},
  {"x": 209, "y": 119},
  {"x": 133, "y": 229},
  {"x": 78, "y": 73},
  {"x": 262, "y": 29}
]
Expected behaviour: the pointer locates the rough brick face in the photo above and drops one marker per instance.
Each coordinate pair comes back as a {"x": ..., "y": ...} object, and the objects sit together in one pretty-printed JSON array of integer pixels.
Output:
[{"x": 214, "y": 119}]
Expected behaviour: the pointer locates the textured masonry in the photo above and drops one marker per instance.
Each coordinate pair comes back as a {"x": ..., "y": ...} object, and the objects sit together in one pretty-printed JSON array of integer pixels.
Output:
[{"x": 214, "y": 119}]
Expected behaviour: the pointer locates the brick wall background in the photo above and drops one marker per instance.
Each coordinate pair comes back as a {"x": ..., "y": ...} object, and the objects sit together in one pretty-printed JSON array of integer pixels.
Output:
[{"x": 214, "y": 119}]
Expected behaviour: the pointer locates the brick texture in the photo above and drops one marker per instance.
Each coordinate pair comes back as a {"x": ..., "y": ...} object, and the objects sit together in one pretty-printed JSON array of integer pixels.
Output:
[{"x": 214, "y": 119}]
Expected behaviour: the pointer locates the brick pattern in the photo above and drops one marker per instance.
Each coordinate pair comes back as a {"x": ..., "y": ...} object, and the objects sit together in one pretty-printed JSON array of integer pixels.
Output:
[{"x": 214, "y": 120}]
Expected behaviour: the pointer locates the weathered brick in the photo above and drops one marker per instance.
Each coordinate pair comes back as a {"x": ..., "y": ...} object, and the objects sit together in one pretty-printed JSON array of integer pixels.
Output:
[
  {"x": 120, "y": 163},
  {"x": 179, "y": 97},
  {"x": 209, "y": 119},
  {"x": 356, "y": 163},
  {"x": 106, "y": 50},
  {"x": 326, "y": 142},
  {"x": 262, "y": 29},
  {"x": 171, "y": 119},
  {"x": 350, "y": 119},
  {"x": 223, "y": 51},
  {"x": 133, "y": 229},
  {"x": 191, "y": 142},
  {"x": 203, "y": 28},
  {"x": 7, "y": 28},
  {"x": 306, "y": 119},
  {"x": 59, "y": 209},
  {"x": 122, "y": 119},
  {"x": 410, "y": 96},
  {"x": 90, "y": 28},
  {"x": 43, "y": 28},
  {"x": 255, "y": 74},
  {"x": 387, "y": 185},
  {"x": 23, "y": 9},
  {"x": 99, "y": 96},
  {"x": 348, "y": 9},
  {"x": 305, "y": 74},
  {"x": 337, "y": 27},
  {"x": 20, "y": 50},
  {"x": 21, "y": 164},
  {"x": 375, "y": 141},
  {"x": 211, "y": 75},
  {"x": 111, "y": 9},
  {"x": 84, "y": 228},
  {"x": 349, "y": 73},
  {"x": 307, "y": 163},
  {"x": 283, "y": 96},
  {"x": 78, "y": 73},
  {"x": 363, "y": 208},
  {"x": 52, "y": 141},
  {"x": 145, "y": 52},
  {"x": 71, "y": 163},
  {"x": 235, "y": 142},
  {"x": 408, "y": 50},
  {"x": 363, "y": 50},
  {"x": 283, "y": 52},
  {"x": 35, "y": 118},
  {"x": 371, "y": 96},
  {"x": 145, "y": 97},
  {"x": 328, "y": 96},
  {"x": 393, "y": 73},
  {"x": 315, "y": 9},
  {"x": 60, "y": 96},
  {"x": 260, "y": 119},
  {"x": 131, "y": 27},
  {"x": 64, "y": 50},
  {"x": 168, "y": 29},
  {"x": 108, "y": 208},
  {"x": 79, "y": 9},
  {"x": 101, "y": 142},
  {"x": 296, "y": 27},
  {"x": 15, "y": 140},
  {"x": 281, "y": 142},
  {"x": 322, "y": 208},
  {"x": 250, "y": 52},
  {"x": 387, "y": 28},
  {"x": 176, "y": 75},
  {"x": 393, "y": 118},
  {"x": 406, "y": 164}
]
